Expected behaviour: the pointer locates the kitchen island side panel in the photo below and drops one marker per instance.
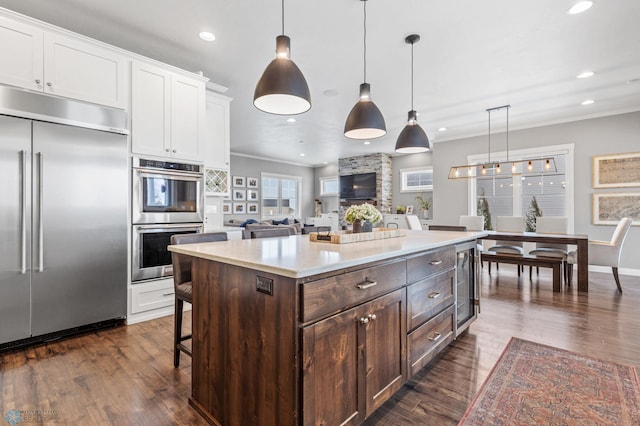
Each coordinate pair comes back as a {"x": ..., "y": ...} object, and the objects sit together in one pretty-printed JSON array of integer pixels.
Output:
[{"x": 245, "y": 345}]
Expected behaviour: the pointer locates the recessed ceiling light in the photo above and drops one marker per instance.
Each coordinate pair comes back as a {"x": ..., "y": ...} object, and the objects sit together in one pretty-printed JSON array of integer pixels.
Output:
[
  {"x": 588, "y": 102},
  {"x": 301, "y": 155},
  {"x": 207, "y": 36},
  {"x": 367, "y": 142},
  {"x": 325, "y": 162},
  {"x": 442, "y": 129},
  {"x": 330, "y": 92},
  {"x": 585, "y": 74},
  {"x": 291, "y": 120},
  {"x": 580, "y": 7}
]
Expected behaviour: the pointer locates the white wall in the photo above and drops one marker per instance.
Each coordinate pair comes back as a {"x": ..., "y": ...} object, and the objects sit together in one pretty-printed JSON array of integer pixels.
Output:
[{"x": 599, "y": 136}]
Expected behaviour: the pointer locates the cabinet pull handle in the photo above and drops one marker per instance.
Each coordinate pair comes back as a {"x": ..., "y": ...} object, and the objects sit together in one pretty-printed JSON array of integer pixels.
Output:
[
  {"x": 174, "y": 151},
  {"x": 363, "y": 320},
  {"x": 372, "y": 317},
  {"x": 434, "y": 295},
  {"x": 435, "y": 337},
  {"x": 168, "y": 294},
  {"x": 166, "y": 150},
  {"x": 37, "y": 81},
  {"x": 50, "y": 84},
  {"x": 366, "y": 284},
  {"x": 435, "y": 262}
]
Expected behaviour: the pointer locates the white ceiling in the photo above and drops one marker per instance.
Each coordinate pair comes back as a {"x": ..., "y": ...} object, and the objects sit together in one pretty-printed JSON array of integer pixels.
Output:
[{"x": 473, "y": 55}]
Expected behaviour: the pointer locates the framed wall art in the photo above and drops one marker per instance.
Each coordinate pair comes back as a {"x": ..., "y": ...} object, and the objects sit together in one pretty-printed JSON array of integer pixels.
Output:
[
  {"x": 252, "y": 182},
  {"x": 239, "y": 208},
  {"x": 226, "y": 208},
  {"x": 239, "y": 181},
  {"x": 252, "y": 195},
  {"x": 239, "y": 195},
  {"x": 616, "y": 170},
  {"x": 610, "y": 207},
  {"x": 252, "y": 208}
]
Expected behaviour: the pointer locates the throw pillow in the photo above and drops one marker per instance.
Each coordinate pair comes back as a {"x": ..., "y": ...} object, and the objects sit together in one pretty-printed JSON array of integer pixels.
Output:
[
  {"x": 248, "y": 222},
  {"x": 284, "y": 221}
]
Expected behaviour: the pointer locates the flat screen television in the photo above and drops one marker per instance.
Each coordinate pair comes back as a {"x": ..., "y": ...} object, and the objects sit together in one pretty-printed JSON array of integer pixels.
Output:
[{"x": 358, "y": 187}]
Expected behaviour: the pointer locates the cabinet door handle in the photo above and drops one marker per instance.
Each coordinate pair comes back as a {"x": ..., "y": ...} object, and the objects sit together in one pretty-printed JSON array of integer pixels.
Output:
[
  {"x": 363, "y": 320},
  {"x": 50, "y": 84},
  {"x": 174, "y": 151},
  {"x": 435, "y": 262},
  {"x": 434, "y": 295},
  {"x": 372, "y": 317},
  {"x": 435, "y": 336},
  {"x": 37, "y": 81},
  {"x": 366, "y": 284},
  {"x": 166, "y": 150}
]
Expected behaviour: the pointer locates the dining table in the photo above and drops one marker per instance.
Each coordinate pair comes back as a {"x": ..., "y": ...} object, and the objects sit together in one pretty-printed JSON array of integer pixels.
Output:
[{"x": 581, "y": 241}]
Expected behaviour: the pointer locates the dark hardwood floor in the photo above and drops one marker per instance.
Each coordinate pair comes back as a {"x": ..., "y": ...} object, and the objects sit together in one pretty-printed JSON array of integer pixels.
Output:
[{"x": 125, "y": 376}]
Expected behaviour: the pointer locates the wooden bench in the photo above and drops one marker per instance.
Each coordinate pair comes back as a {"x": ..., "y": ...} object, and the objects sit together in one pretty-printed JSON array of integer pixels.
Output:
[{"x": 554, "y": 263}]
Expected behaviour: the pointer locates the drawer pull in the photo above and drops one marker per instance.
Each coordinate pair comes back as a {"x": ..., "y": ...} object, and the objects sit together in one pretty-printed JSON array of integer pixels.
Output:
[
  {"x": 367, "y": 284},
  {"x": 435, "y": 337},
  {"x": 435, "y": 262},
  {"x": 434, "y": 295},
  {"x": 168, "y": 294},
  {"x": 363, "y": 320},
  {"x": 372, "y": 317}
]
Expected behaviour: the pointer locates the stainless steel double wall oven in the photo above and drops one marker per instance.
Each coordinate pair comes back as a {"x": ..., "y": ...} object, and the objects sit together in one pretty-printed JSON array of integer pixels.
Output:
[{"x": 167, "y": 199}]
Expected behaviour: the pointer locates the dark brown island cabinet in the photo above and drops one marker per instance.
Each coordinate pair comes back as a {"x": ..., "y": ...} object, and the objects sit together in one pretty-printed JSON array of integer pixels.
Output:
[{"x": 323, "y": 348}]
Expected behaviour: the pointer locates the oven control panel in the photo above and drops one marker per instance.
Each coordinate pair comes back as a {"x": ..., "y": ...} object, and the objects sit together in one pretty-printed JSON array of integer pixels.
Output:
[{"x": 167, "y": 165}]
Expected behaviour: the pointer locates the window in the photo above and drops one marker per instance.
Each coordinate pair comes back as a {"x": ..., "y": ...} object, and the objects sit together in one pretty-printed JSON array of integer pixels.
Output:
[
  {"x": 329, "y": 185},
  {"x": 280, "y": 195},
  {"x": 535, "y": 191},
  {"x": 416, "y": 180}
]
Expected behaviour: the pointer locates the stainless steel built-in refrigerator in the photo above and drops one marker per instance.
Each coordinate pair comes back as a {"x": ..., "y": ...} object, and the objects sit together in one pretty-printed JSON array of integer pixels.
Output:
[{"x": 63, "y": 214}]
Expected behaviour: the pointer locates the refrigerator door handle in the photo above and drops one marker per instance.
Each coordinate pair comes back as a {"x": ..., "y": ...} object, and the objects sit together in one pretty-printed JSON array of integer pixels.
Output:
[
  {"x": 40, "y": 213},
  {"x": 23, "y": 157}
]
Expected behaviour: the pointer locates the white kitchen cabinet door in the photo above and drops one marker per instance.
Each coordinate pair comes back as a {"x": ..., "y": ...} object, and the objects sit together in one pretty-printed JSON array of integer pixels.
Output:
[
  {"x": 187, "y": 117},
  {"x": 150, "y": 110},
  {"x": 21, "y": 59},
  {"x": 81, "y": 70},
  {"x": 216, "y": 139}
]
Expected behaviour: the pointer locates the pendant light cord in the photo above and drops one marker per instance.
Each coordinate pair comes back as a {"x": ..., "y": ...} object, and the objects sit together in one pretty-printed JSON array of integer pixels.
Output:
[
  {"x": 412, "y": 76},
  {"x": 365, "y": 40},
  {"x": 282, "y": 17},
  {"x": 489, "y": 159},
  {"x": 507, "y": 134}
]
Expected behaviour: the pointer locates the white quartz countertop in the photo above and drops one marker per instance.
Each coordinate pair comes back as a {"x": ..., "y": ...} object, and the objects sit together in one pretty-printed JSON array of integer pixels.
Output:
[{"x": 297, "y": 257}]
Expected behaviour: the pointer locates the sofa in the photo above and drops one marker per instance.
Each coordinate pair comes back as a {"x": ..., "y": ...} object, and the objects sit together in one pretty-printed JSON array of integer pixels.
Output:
[{"x": 294, "y": 228}]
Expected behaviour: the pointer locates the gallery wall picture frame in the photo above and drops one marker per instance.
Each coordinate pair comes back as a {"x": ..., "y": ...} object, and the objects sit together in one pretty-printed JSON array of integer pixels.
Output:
[
  {"x": 616, "y": 170},
  {"x": 252, "y": 195},
  {"x": 609, "y": 207},
  {"x": 239, "y": 208},
  {"x": 252, "y": 182},
  {"x": 252, "y": 208},
  {"x": 409, "y": 209},
  {"x": 226, "y": 208},
  {"x": 239, "y": 181},
  {"x": 239, "y": 194}
]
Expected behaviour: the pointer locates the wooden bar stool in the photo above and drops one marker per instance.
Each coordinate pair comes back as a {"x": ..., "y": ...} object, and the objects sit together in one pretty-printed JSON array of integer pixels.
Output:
[{"x": 183, "y": 287}]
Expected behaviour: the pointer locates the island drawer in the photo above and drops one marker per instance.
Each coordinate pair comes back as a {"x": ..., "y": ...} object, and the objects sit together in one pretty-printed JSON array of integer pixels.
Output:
[
  {"x": 428, "y": 297},
  {"x": 334, "y": 294},
  {"x": 425, "y": 342},
  {"x": 429, "y": 263}
]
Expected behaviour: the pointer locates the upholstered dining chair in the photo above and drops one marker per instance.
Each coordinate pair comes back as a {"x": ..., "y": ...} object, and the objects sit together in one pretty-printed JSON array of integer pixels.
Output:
[
  {"x": 268, "y": 233},
  {"x": 508, "y": 224},
  {"x": 552, "y": 225},
  {"x": 413, "y": 222},
  {"x": 605, "y": 253},
  {"x": 182, "y": 285},
  {"x": 473, "y": 223}
]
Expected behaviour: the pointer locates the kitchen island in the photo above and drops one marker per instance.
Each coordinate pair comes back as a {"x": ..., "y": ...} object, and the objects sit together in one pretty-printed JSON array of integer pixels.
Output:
[{"x": 287, "y": 331}]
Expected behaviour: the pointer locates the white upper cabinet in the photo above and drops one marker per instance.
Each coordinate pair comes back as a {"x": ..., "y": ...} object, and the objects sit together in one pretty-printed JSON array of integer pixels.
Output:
[
  {"x": 167, "y": 113},
  {"x": 36, "y": 59},
  {"x": 217, "y": 135},
  {"x": 21, "y": 58}
]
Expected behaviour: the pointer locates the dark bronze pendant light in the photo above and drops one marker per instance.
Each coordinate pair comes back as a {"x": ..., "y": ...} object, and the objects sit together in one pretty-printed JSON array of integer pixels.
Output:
[
  {"x": 412, "y": 139},
  {"x": 282, "y": 89},
  {"x": 365, "y": 121}
]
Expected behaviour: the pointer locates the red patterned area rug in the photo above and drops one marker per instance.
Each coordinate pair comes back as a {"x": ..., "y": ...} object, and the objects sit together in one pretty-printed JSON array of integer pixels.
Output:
[{"x": 534, "y": 384}]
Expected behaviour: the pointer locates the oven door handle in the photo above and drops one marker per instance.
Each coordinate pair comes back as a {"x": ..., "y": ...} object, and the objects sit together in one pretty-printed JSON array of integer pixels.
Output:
[
  {"x": 174, "y": 226},
  {"x": 165, "y": 173}
]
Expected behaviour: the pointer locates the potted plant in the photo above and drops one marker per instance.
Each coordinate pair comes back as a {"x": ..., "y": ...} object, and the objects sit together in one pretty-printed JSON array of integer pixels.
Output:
[
  {"x": 400, "y": 209},
  {"x": 363, "y": 217},
  {"x": 425, "y": 204}
]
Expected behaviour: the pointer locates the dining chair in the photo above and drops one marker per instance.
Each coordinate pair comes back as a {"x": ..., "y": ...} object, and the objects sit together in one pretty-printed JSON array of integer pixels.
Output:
[
  {"x": 473, "y": 223},
  {"x": 413, "y": 222},
  {"x": 269, "y": 233},
  {"x": 508, "y": 224},
  {"x": 605, "y": 253},
  {"x": 551, "y": 225},
  {"x": 182, "y": 285}
]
